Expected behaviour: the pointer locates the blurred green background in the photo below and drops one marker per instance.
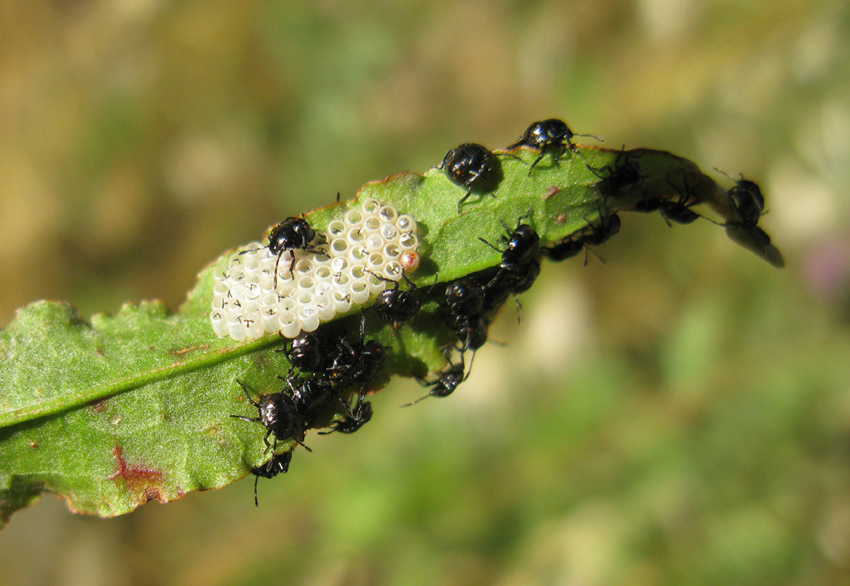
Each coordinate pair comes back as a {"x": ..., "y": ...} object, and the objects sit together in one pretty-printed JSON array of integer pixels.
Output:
[{"x": 678, "y": 415}]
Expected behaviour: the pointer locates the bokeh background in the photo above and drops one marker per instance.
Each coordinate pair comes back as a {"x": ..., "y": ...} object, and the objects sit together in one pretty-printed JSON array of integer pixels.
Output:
[{"x": 677, "y": 415}]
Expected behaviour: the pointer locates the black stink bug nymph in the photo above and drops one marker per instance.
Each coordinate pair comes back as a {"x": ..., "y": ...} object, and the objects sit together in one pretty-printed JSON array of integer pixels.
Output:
[
  {"x": 359, "y": 417},
  {"x": 600, "y": 233},
  {"x": 447, "y": 381},
  {"x": 747, "y": 200},
  {"x": 679, "y": 210},
  {"x": 307, "y": 352},
  {"x": 396, "y": 305},
  {"x": 523, "y": 244},
  {"x": 311, "y": 396},
  {"x": 278, "y": 413},
  {"x": 357, "y": 363},
  {"x": 290, "y": 235},
  {"x": 622, "y": 179},
  {"x": 564, "y": 249},
  {"x": 471, "y": 333},
  {"x": 546, "y": 135},
  {"x": 464, "y": 298},
  {"x": 470, "y": 165},
  {"x": 279, "y": 464},
  {"x": 519, "y": 267}
]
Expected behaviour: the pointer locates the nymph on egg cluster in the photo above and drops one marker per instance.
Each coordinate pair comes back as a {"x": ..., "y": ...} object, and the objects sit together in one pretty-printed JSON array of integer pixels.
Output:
[{"x": 366, "y": 250}]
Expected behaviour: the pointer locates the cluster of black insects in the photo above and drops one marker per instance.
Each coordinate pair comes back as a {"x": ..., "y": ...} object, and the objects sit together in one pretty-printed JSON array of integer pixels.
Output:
[
  {"x": 476, "y": 168},
  {"x": 326, "y": 365},
  {"x": 469, "y": 302}
]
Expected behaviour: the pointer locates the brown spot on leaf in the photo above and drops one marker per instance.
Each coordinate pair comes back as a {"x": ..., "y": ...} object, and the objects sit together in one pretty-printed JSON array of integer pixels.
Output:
[
  {"x": 99, "y": 406},
  {"x": 144, "y": 481},
  {"x": 183, "y": 351},
  {"x": 551, "y": 192},
  {"x": 261, "y": 361},
  {"x": 154, "y": 494}
]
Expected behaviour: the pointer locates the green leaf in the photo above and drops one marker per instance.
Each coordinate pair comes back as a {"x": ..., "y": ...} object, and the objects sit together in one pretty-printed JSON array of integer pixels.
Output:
[{"x": 133, "y": 407}]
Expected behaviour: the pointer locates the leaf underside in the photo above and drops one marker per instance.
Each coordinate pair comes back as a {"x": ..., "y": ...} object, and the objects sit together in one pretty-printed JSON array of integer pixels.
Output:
[{"x": 134, "y": 407}]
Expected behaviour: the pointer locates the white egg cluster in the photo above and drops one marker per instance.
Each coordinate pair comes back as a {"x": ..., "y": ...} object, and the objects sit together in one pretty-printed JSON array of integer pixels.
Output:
[{"x": 367, "y": 242}]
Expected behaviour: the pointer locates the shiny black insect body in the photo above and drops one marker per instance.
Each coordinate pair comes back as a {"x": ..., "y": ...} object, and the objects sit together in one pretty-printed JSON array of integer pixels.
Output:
[
  {"x": 593, "y": 235},
  {"x": 307, "y": 352},
  {"x": 360, "y": 364},
  {"x": 359, "y": 417},
  {"x": 678, "y": 210},
  {"x": 748, "y": 200},
  {"x": 279, "y": 414},
  {"x": 523, "y": 245},
  {"x": 572, "y": 245},
  {"x": 279, "y": 464},
  {"x": 471, "y": 166},
  {"x": 518, "y": 268},
  {"x": 466, "y": 304},
  {"x": 648, "y": 205},
  {"x": 447, "y": 381},
  {"x": 625, "y": 177},
  {"x": 549, "y": 135},
  {"x": 357, "y": 363},
  {"x": 312, "y": 396},
  {"x": 564, "y": 249},
  {"x": 465, "y": 298},
  {"x": 471, "y": 332},
  {"x": 397, "y": 305},
  {"x": 497, "y": 288},
  {"x": 505, "y": 283},
  {"x": 521, "y": 281},
  {"x": 290, "y": 235},
  {"x": 607, "y": 227}
]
